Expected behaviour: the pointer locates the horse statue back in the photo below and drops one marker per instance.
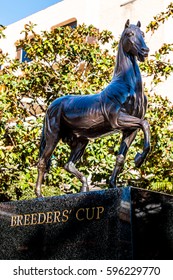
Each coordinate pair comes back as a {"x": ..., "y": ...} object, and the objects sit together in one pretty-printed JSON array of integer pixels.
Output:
[{"x": 121, "y": 106}]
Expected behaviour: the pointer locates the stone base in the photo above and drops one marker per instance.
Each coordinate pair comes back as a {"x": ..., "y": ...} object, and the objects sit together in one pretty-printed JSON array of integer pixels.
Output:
[{"x": 125, "y": 223}]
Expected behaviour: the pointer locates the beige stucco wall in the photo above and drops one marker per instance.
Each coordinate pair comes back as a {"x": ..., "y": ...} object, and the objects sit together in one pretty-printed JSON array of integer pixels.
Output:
[{"x": 104, "y": 14}]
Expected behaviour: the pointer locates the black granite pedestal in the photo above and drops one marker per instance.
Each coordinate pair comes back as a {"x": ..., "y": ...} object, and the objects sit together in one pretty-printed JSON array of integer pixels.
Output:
[
  {"x": 124, "y": 223},
  {"x": 90, "y": 225}
]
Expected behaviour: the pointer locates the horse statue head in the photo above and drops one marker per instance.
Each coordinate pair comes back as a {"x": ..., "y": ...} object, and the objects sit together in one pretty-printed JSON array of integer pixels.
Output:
[{"x": 132, "y": 40}]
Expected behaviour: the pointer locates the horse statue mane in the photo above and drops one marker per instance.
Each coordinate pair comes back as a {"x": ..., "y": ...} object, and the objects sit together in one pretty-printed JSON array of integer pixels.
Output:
[{"x": 120, "y": 107}]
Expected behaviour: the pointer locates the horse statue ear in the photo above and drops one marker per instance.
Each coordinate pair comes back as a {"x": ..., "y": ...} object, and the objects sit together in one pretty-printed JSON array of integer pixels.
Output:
[
  {"x": 139, "y": 24},
  {"x": 127, "y": 24}
]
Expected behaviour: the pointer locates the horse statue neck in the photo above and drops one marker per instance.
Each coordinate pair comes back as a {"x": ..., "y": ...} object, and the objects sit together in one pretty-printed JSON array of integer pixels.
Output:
[{"x": 127, "y": 69}]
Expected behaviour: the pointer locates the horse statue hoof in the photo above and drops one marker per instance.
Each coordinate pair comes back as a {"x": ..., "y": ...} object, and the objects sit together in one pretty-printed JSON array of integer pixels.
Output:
[
  {"x": 38, "y": 194},
  {"x": 84, "y": 189},
  {"x": 138, "y": 160},
  {"x": 112, "y": 185}
]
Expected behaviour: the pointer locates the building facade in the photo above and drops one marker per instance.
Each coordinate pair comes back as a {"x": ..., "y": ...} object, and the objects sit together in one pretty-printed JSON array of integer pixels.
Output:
[{"x": 109, "y": 14}]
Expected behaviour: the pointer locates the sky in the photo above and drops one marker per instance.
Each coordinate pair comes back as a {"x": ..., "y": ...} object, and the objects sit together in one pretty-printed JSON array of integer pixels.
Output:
[{"x": 14, "y": 10}]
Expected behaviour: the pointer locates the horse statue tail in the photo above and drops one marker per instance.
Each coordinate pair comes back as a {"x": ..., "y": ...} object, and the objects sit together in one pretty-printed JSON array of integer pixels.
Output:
[
  {"x": 42, "y": 140},
  {"x": 43, "y": 143}
]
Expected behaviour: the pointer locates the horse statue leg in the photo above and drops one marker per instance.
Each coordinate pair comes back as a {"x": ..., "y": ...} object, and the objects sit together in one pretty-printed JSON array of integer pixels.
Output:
[
  {"x": 130, "y": 122},
  {"x": 127, "y": 139},
  {"x": 139, "y": 158},
  {"x": 77, "y": 151}
]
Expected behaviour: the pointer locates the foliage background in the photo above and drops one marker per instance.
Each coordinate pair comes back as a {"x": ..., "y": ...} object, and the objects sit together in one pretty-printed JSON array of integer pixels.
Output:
[{"x": 64, "y": 61}]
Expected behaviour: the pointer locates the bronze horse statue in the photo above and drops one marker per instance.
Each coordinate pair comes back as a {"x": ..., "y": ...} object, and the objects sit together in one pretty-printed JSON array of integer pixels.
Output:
[{"x": 121, "y": 106}]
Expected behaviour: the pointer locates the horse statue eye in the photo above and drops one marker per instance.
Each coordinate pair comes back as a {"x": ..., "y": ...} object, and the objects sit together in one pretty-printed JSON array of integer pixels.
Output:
[{"x": 130, "y": 34}]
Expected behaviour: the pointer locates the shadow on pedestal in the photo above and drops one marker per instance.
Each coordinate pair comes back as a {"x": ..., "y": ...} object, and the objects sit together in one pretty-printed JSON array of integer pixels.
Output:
[{"x": 152, "y": 225}]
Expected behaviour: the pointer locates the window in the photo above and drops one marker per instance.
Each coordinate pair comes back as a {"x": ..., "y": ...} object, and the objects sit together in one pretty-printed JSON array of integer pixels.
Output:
[
  {"x": 72, "y": 22},
  {"x": 22, "y": 55}
]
